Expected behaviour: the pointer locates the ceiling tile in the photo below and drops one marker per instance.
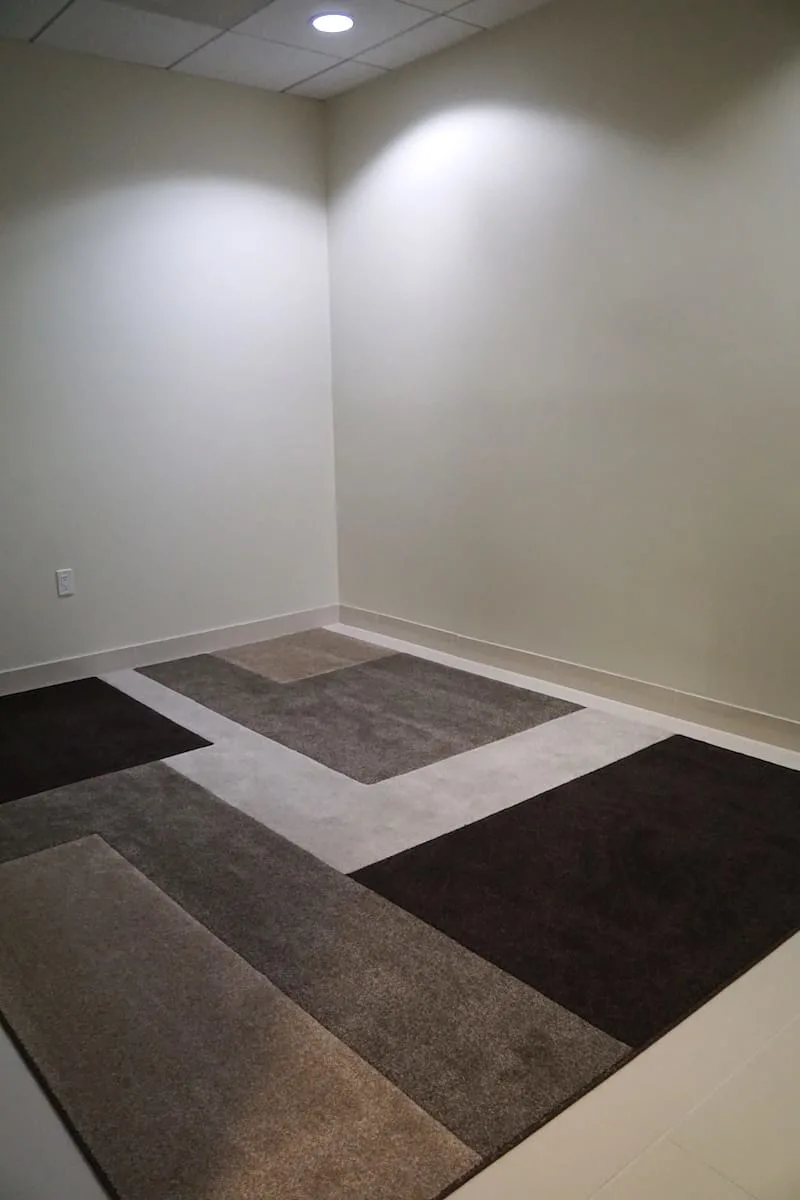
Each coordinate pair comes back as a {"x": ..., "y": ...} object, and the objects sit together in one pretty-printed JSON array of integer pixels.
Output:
[
  {"x": 415, "y": 43},
  {"x": 224, "y": 14},
  {"x": 114, "y": 31},
  {"x": 254, "y": 61},
  {"x": 493, "y": 12},
  {"x": 24, "y": 18},
  {"x": 434, "y": 6},
  {"x": 337, "y": 79},
  {"x": 375, "y": 20}
]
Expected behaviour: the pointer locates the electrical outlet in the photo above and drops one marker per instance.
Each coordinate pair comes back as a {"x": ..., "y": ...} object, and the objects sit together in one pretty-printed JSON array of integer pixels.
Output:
[{"x": 65, "y": 582}]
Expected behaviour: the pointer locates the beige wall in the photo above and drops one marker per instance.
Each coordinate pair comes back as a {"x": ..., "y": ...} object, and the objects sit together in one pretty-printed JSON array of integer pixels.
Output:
[
  {"x": 566, "y": 294},
  {"x": 165, "y": 424}
]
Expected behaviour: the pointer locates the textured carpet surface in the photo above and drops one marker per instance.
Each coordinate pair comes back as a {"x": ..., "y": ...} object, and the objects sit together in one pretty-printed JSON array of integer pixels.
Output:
[
  {"x": 482, "y": 1053},
  {"x": 301, "y": 655},
  {"x": 57, "y": 735},
  {"x": 371, "y": 721},
  {"x": 629, "y": 895},
  {"x": 537, "y": 890},
  {"x": 189, "y": 1074}
]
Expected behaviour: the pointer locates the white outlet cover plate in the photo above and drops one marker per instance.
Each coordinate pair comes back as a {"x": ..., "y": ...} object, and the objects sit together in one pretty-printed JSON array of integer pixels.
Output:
[{"x": 65, "y": 582}]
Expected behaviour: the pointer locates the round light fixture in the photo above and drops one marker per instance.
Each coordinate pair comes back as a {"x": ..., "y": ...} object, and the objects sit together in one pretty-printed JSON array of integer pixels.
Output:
[{"x": 332, "y": 22}]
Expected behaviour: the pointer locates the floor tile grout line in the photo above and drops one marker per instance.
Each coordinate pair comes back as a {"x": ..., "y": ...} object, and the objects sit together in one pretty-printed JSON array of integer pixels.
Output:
[
  {"x": 662, "y": 1140},
  {"x": 738, "y": 1069},
  {"x": 668, "y": 1134},
  {"x": 710, "y": 1167}
]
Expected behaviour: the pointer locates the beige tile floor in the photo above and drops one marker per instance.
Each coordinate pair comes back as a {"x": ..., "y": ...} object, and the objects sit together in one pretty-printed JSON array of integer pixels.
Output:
[{"x": 710, "y": 1112}]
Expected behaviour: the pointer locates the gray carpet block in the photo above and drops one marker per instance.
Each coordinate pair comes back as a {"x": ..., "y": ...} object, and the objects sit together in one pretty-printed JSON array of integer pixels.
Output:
[
  {"x": 188, "y": 1074},
  {"x": 372, "y": 721},
  {"x": 484, "y": 1054}
]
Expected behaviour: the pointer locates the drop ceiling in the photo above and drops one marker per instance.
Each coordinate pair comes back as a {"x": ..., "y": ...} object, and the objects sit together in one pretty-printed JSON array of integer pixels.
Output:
[{"x": 270, "y": 46}]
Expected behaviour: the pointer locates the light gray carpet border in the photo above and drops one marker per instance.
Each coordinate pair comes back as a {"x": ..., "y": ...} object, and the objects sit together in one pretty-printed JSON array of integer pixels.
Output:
[{"x": 350, "y": 825}]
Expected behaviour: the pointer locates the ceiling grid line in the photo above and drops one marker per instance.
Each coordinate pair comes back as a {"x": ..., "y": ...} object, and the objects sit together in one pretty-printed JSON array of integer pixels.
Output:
[
  {"x": 189, "y": 53},
  {"x": 354, "y": 58},
  {"x": 267, "y": 45},
  {"x": 52, "y": 20}
]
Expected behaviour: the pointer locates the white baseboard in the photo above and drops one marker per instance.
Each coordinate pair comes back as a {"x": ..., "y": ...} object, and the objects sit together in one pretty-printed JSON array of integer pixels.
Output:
[
  {"x": 652, "y": 697},
  {"x": 22, "y": 679}
]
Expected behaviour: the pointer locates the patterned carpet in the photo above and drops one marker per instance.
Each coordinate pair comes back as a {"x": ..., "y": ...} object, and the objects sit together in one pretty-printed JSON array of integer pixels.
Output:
[{"x": 315, "y": 921}]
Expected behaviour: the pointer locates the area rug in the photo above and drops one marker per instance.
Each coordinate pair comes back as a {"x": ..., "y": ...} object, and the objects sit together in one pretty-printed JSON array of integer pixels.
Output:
[{"x": 222, "y": 1015}]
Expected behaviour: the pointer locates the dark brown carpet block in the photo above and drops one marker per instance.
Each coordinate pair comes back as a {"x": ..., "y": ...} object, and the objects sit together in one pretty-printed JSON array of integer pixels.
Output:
[
  {"x": 57, "y": 735},
  {"x": 630, "y": 895}
]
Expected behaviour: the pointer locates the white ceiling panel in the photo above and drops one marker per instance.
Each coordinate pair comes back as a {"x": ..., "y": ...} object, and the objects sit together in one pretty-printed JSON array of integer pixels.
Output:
[
  {"x": 487, "y": 13},
  {"x": 261, "y": 43},
  {"x": 375, "y": 20},
  {"x": 24, "y": 18},
  {"x": 255, "y": 62},
  {"x": 434, "y": 35},
  {"x": 222, "y": 13},
  {"x": 115, "y": 31},
  {"x": 337, "y": 79}
]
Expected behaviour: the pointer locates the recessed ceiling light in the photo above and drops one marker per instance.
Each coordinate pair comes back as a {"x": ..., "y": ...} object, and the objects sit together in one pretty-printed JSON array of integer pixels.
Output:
[{"x": 332, "y": 22}]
